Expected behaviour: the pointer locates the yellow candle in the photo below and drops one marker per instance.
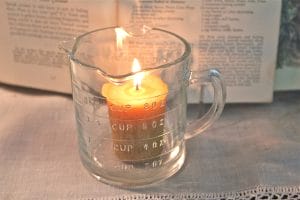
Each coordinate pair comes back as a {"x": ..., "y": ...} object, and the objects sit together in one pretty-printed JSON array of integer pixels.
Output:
[{"x": 136, "y": 113}]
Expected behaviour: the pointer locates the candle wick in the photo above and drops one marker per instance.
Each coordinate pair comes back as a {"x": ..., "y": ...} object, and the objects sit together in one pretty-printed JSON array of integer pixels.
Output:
[{"x": 137, "y": 86}]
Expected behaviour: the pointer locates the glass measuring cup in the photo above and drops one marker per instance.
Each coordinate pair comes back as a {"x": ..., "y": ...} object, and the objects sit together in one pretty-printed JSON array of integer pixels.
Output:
[{"x": 130, "y": 98}]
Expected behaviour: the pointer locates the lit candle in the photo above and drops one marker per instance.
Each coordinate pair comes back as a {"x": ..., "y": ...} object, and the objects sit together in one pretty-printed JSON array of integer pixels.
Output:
[{"x": 136, "y": 113}]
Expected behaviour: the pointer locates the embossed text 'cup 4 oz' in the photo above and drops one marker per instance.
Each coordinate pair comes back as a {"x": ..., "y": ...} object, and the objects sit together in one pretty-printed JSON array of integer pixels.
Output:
[{"x": 129, "y": 91}]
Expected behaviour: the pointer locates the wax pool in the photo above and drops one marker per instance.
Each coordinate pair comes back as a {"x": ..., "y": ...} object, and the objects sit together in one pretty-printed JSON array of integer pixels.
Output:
[{"x": 137, "y": 118}]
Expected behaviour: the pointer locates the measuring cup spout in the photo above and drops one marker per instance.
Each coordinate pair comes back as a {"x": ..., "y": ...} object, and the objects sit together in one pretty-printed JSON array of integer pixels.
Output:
[
  {"x": 67, "y": 45},
  {"x": 136, "y": 30}
]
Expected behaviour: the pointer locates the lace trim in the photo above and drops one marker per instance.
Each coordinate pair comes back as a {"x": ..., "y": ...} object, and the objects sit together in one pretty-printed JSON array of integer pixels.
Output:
[{"x": 257, "y": 193}]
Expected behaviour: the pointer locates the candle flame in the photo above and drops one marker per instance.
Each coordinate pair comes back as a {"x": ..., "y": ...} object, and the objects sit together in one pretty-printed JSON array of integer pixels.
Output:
[
  {"x": 121, "y": 34},
  {"x": 136, "y": 67}
]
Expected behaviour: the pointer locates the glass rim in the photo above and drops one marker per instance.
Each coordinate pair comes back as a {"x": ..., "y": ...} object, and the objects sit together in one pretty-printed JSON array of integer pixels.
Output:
[{"x": 116, "y": 78}]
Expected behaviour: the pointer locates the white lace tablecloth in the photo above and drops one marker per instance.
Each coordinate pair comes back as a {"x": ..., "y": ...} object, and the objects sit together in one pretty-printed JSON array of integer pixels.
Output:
[{"x": 252, "y": 152}]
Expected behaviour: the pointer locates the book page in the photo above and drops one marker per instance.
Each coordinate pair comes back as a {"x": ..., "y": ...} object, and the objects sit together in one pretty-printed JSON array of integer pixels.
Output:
[
  {"x": 239, "y": 37},
  {"x": 31, "y": 31},
  {"x": 288, "y": 63}
]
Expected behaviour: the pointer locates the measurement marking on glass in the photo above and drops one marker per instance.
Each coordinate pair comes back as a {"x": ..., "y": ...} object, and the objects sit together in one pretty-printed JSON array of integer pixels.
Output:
[
  {"x": 171, "y": 150},
  {"x": 164, "y": 134}
]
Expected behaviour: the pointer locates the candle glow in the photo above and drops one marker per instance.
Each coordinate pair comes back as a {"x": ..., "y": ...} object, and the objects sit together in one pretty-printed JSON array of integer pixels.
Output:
[
  {"x": 121, "y": 34},
  {"x": 136, "y": 115},
  {"x": 137, "y": 80},
  {"x": 136, "y": 112}
]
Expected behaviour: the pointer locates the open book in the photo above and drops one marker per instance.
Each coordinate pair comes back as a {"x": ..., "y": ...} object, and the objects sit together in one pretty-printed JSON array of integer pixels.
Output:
[
  {"x": 30, "y": 34},
  {"x": 237, "y": 37}
]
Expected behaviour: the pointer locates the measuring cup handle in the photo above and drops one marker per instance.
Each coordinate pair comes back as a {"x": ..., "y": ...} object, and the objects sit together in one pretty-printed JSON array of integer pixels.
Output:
[{"x": 213, "y": 77}]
